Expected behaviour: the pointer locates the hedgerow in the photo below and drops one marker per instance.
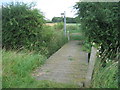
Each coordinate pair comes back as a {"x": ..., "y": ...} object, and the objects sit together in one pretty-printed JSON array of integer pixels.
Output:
[
  {"x": 99, "y": 23},
  {"x": 100, "y": 28},
  {"x": 21, "y": 26}
]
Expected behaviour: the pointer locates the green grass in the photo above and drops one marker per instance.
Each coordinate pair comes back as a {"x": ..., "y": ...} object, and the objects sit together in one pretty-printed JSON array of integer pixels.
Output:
[
  {"x": 75, "y": 32},
  {"x": 105, "y": 77},
  {"x": 73, "y": 27},
  {"x": 75, "y": 37},
  {"x": 18, "y": 68},
  {"x": 86, "y": 47}
]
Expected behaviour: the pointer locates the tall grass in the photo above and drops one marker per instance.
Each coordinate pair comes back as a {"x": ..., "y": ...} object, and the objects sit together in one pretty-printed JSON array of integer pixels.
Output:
[
  {"x": 59, "y": 26},
  {"x": 57, "y": 42},
  {"x": 18, "y": 66},
  {"x": 105, "y": 77},
  {"x": 17, "y": 71},
  {"x": 53, "y": 38}
]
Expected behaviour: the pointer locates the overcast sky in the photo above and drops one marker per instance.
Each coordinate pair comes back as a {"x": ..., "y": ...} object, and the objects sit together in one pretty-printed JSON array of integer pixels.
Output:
[{"x": 52, "y": 8}]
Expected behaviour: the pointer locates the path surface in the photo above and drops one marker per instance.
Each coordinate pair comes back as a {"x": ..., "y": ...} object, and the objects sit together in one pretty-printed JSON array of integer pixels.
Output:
[{"x": 67, "y": 65}]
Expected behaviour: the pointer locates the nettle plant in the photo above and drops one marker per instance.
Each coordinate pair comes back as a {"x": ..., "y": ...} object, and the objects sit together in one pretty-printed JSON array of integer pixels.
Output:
[{"x": 99, "y": 23}]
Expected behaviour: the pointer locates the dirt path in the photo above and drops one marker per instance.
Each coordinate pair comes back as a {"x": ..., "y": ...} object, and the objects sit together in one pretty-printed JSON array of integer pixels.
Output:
[{"x": 67, "y": 65}]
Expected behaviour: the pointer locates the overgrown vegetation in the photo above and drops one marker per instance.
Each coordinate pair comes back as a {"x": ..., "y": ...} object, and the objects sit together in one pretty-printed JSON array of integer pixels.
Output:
[
  {"x": 23, "y": 28},
  {"x": 99, "y": 25},
  {"x": 18, "y": 67},
  {"x": 27, "y": 43},
  {"x": 59, "y": 26},
  {"x": 105, "y": 76}
]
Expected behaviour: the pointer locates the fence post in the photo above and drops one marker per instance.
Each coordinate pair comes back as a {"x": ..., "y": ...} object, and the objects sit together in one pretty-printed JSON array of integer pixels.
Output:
[
  {"x": 90, "y": 67},
  {"x": 68, "y": 35}
]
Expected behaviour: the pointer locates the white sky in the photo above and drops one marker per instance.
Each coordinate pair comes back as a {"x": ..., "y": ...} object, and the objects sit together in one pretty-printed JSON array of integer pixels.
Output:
[{"x": 52, "y": 8}]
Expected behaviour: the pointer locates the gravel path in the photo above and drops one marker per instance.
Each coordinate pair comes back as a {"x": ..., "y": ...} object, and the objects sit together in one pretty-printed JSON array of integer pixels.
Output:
[{"x": 67, "y": 65}]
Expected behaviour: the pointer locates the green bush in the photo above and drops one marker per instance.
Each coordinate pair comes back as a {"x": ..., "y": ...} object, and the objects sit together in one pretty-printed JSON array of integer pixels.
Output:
[
  {"x": 86, "y": 46},
  {"x": 22, "y": 26},
  {"x": 59, "y": 26},
  {"x": 99, "y": 24}
]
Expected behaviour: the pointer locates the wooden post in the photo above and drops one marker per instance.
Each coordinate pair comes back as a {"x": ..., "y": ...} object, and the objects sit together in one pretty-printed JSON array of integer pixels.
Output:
[
  {"x": 90, "y": 67},
  {"x": 68, "y": 35}
]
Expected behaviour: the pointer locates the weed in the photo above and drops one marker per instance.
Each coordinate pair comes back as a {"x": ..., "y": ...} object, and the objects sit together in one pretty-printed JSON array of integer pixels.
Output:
[
  {"x": 105, "y": 77},
  {"x": 70, "y": 58}
]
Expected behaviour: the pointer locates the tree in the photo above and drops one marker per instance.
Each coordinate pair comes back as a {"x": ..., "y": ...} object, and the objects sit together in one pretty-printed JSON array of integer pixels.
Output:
[
  {"x": 57, "y": 19},
  {"x": 68, "y": 19}
]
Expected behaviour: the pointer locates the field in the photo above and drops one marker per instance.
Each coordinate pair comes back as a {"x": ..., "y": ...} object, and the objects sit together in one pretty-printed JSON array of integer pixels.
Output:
[{"x": 50, "y": 24}]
